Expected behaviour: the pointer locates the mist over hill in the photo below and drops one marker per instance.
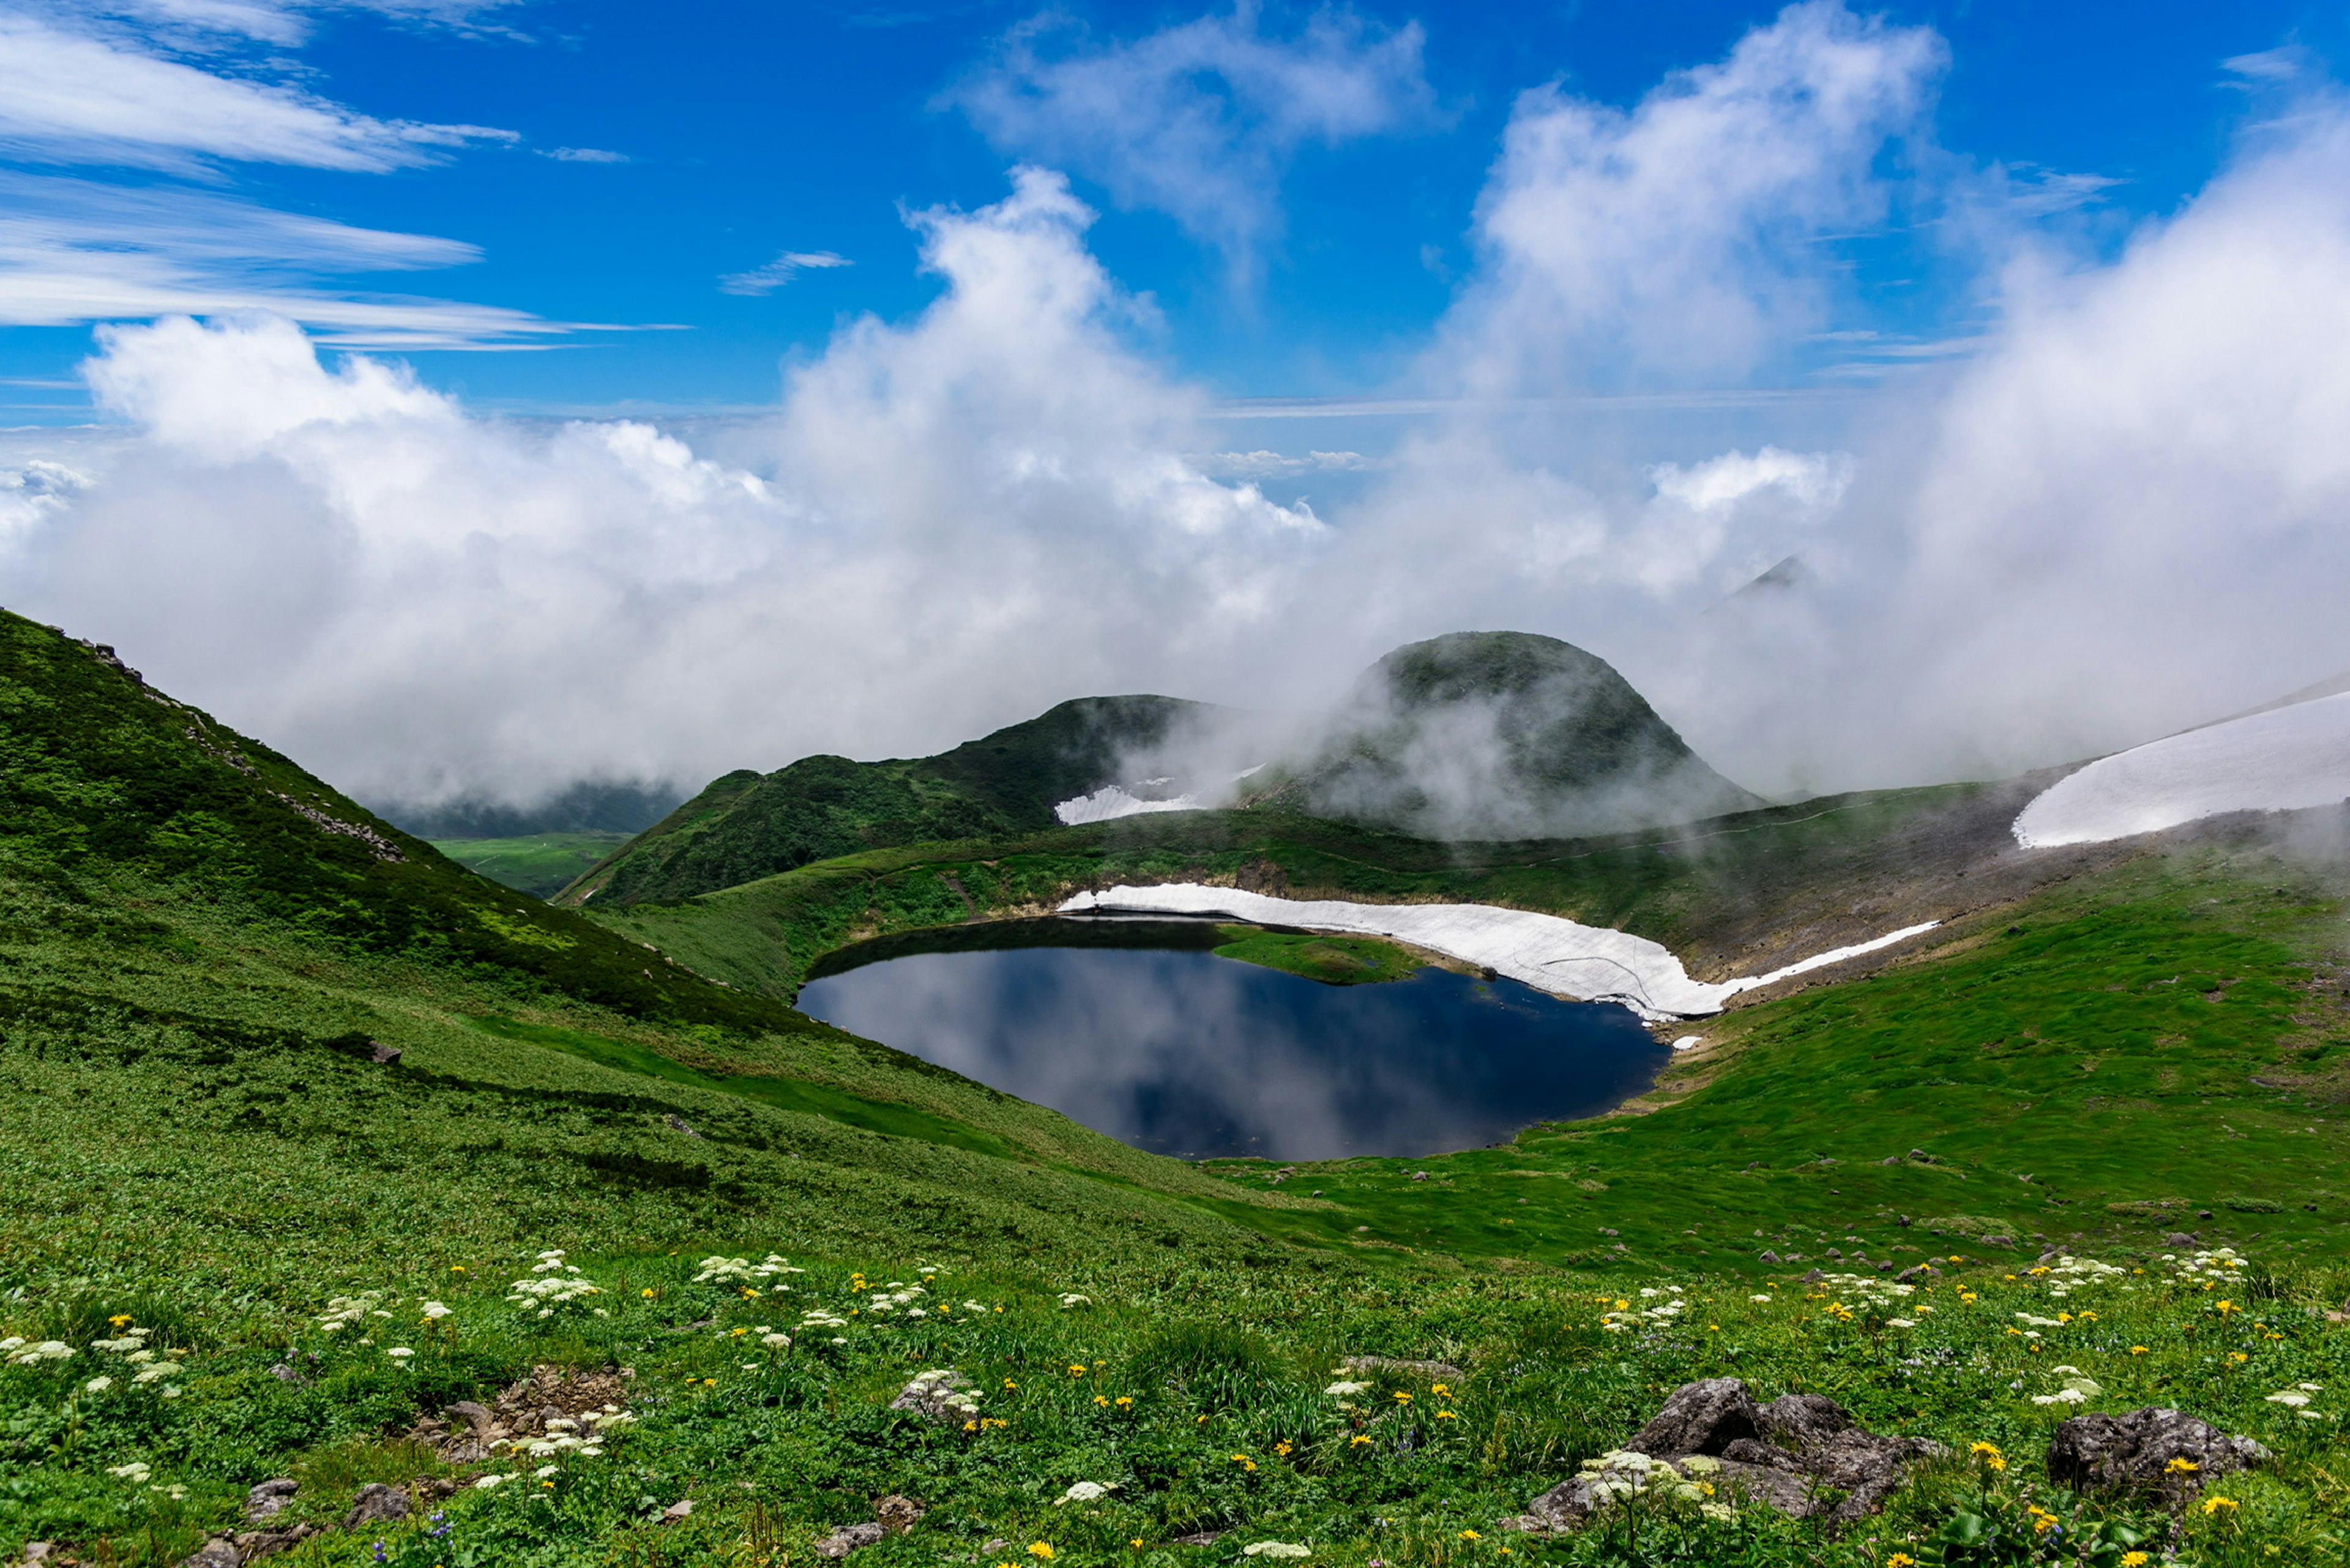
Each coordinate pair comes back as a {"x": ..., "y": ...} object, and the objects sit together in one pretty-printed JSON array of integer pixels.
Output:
[{"x": 1488, "y": 735}]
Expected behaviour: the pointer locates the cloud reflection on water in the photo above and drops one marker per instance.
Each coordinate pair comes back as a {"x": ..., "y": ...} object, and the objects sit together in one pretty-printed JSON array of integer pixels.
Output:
[{"x": 1184, "y": 1053}]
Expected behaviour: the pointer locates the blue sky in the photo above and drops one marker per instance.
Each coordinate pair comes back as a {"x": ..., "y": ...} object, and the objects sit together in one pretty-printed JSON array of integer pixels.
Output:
[{"x": 634, "y": 156}]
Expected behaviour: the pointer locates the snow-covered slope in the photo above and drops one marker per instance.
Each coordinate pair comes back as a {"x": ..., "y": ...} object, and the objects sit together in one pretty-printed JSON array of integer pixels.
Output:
[
  {"x": 2285, "y": 760},
  {"x": 1111, "y": 801},
  {"x": 1590, "y": 963}
]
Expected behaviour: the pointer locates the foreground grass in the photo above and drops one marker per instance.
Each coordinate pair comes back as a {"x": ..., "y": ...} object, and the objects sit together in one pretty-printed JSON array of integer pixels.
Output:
[{"x": 1198, "y": 1394}]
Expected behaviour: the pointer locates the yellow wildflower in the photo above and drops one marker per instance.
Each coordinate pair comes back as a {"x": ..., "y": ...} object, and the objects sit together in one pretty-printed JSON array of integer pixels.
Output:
[
  {"x": 1470, "y": 1535},
  {"x": 2137, "y": 1350},
  {"x": 1076, "y": 1371},
  {"x": 1041, "y": 1549},
  {"x": 2182, "y": 1467},
  {"x": 2213, "y": 1505},
  {"x": 1990, "y": 1455}
]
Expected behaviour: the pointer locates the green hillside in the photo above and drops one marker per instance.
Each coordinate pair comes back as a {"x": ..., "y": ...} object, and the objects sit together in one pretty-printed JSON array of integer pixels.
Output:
[
  {"x": 239, "y": 1238},
  {"x": 746, "y": 825},
  {"x": 539, "y": 864}
]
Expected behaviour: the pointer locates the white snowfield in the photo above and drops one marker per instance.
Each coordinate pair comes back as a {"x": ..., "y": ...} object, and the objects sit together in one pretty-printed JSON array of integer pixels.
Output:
[
  {"x": 2289, "y": 759},
  {"x": 1110, "y": 802},
  {"x": 1588, "y": 963}
]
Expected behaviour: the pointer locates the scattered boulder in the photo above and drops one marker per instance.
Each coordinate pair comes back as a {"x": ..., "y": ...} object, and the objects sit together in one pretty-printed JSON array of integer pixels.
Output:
[
  {"x": 943, "y": 1395},
  {"x": 1802, "y": 1454},
  {"x": 376, "y": 1504},
  {"x": 1701, "y": 1417},
  {"x": 1770, "y": 1257},
  {"x": 677, "y": 1511},
  {"x": 2178, "y": 1239},
  {"x": 2148, "y": 1449},
  {"x": 848, "y": 1538},
  {"x": 285, "y": 1373},
  {"x": 381, "y": 1054},
  {"x": 679, "y": 1124},
  {"x": 897, "y": 1512},
  {"x": 265, "y": 1501},
  {"x": 253, "y": 1546},
  {"x": 1401, "y": 1368},
  {"x": 220, "y": 1551},
  {"x": 523, "y": 1412}
]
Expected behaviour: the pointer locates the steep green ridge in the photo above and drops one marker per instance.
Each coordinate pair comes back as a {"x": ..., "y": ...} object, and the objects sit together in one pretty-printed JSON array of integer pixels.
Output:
[
  {"x": 166, "y": 881},
  {"x": 746, "y": 825},
  {"x": 1476, "y": 734}
]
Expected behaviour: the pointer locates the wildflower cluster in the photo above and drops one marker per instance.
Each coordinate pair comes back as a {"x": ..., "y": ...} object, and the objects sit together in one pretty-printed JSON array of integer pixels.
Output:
[
  {"x": 2297, "y": 1398},
  {"x": 897, "y": 1293},
  {"x": 553, "y": 1283},
  {"x": 20, "y": 1354},
  {"x": 1666, "y": 1304},
  {"x": 2069, "y": 1273},
  {"x": 944, "y": 1386},
  {"x": 716, "y": 1270},
  {"x": 2077, "y": 1388},
  {"x": 346, "y": 1311},
  {"x": 1622, "y": 1473},
  {"x": 2213, "y": 1265}
]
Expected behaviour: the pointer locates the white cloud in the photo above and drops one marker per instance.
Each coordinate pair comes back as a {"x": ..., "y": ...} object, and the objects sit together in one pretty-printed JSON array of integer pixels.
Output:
[
  {"x": 1199, "y": 120},
  {"x": 73, "y": 250},
  {"x": 779, "y": 272},
  {"x": 967, "y": 508},
  {"x": 585, "y": 155},
  {"x": 85, "y": 96},
  {"x": 1679, "y": 239},
  {"x": 1262, "y": 464}
]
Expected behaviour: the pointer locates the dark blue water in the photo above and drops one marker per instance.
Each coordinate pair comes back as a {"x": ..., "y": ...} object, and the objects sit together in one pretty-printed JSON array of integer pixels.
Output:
[{"x": 1187, "y": 1053}]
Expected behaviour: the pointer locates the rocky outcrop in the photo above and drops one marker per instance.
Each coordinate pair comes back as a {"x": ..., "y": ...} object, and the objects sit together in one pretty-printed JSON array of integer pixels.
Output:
[
  {"x": 892, "y": 1515},
  {"x": 2165, "y": 1452},
  {"x": 1711, "y": 1443},
  {"x": 549, "y": 1403},
  {"x": 943, "y": 1395}
]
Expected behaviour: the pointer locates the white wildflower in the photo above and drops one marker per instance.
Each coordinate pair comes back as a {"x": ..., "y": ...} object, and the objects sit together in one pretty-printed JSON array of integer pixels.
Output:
[
  {"x": 1344, "y": 1390},
  {"x": 98, "y": 1385},
  {"x": 1758, "y": 1297},
  {"x": 1086, "y": 1492},
  {"x": 2291, "y": 1396},
  {"x": 47, "y": 1350},
  {"x": 1275, "y": 1549},
  {"x": 1072, "y": 1298},
  {"x": 135, "y": 1471},
  {"x": 774, "y": 1341},
  {"x": 486, "y": 1483},
  {"x": 1900, "y": 1322},
  {"x": 546, "y": 1470},
  {"x": 435, "y": 1310},
  {"x": 156, "y": 1373},
  {"x": 399, "y": 1352}
]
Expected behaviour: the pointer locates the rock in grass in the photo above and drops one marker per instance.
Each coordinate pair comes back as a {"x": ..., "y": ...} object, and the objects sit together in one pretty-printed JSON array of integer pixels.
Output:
[
  {"x": 1701, "y": 1417},
  {"x": 255, "y": 1544},
  {"x": 265, "y": 1501},
  {"x": 848, "y": 1538},
  {"x": 1802, "y": 1454},
  {"x": 897, "y": 1512},
  {"x": 2167, "y": 1452},
  {"x": 376, "y": 1504},
  {"x": 220, "y": 1551}
]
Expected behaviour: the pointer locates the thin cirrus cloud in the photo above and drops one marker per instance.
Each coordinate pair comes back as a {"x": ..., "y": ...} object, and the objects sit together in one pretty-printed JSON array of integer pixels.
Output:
[
  {"x": 779, "y": 272},
  {"x": 1198, "y": 120},
  {"x": 76, "y": 250},
  {"x": 78, "y": 97}
]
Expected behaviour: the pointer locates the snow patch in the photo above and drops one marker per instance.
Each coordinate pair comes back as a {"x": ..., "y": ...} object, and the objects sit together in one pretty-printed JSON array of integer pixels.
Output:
[
  {"x": 2289, "y": 759},
  {"x": 1590, "y": 963},
  {"x": 1111, "y": 801}
]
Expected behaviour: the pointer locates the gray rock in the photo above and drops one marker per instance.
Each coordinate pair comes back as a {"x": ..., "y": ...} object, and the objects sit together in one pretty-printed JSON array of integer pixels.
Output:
[
  {"x": 677, "y": 1511},
  {"x": 265, "y": 1501},
  {"x": 678, "y": 1124},
  {"x": 285, "y": 1373},
  {"x": 2135, "y": 1450},
  {"x": 220, "y": 1551},
  {"x": 376, "y": 1504},
  {"x": 255, "y": 1544},
  {"x": 1770, "y": 1257},
  {"x": 897, "y": 1512},
  {"x": 1701, "y": 1417},
  {"x": 383, "y": 1055},
  {"x": 2178, "y": 1239},
  {"x": 848, "y": 1538}
]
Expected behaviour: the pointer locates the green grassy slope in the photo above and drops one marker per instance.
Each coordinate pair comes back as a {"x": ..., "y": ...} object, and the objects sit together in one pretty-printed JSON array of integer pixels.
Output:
[
  {"x": 1738, "y": 894},
  {"x": 540, "y": 864},
  {"x": 746, "y": 825},
  {"x": 165, "y": 880},
  {"x": 2110, "y": 1064}
]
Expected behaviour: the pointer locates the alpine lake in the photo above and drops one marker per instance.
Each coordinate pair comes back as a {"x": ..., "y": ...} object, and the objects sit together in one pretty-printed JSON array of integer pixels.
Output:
[{"x": 1208, "y": 1040}]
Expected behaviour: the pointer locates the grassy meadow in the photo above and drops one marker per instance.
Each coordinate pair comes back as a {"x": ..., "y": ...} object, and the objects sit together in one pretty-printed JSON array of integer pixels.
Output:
[{"x": 540, "y": 864}]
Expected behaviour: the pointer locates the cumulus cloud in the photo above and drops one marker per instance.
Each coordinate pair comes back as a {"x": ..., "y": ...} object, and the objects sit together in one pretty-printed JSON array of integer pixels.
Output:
[
  {"x": 1200, "y": 119},
  {"x": 969, "y": 507},
  {"x": 1681, "y": 238}
]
